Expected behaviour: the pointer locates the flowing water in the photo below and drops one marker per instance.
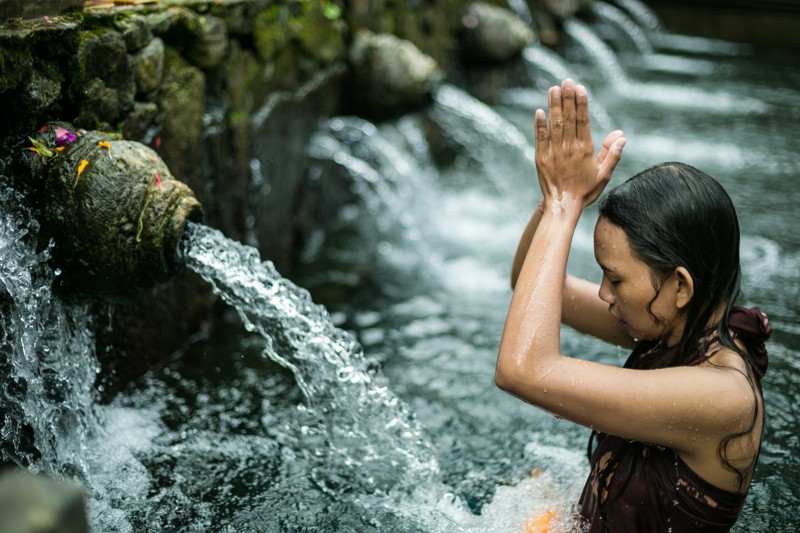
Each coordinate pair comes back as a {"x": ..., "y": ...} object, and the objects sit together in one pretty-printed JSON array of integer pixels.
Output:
[{"x": 378, "y": 412}]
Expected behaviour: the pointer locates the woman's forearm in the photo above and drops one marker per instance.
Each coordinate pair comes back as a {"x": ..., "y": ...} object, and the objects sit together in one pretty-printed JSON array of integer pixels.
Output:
[
  {"x": 530, "y": 344},
  {"x": 524, "y": 245}
]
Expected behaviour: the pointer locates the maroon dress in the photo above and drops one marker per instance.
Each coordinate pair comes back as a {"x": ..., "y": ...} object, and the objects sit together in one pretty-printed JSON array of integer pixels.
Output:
[{"x": 647, "y": 488}]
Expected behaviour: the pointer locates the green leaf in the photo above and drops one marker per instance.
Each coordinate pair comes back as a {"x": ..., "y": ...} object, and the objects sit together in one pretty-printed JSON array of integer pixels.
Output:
[{"x": 44, "y": 150}]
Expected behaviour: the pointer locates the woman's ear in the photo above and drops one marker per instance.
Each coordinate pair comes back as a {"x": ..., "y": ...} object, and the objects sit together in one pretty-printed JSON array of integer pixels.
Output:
[{"x": 685, "y": 287}]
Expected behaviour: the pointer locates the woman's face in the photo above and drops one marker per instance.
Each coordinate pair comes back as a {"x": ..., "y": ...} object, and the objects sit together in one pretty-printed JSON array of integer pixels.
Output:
[{"x": 627, "y": 288}]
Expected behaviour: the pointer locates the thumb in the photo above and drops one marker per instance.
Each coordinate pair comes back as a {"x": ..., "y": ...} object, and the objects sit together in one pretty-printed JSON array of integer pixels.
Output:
[{"x": 609, "y": 163}]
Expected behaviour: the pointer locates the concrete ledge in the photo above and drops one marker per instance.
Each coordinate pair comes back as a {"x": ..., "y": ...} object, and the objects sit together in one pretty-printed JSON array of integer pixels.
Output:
[{"x": 758, "y": 22}]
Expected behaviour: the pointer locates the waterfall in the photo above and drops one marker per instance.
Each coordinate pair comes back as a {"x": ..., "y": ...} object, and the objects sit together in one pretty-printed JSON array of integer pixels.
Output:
[
  {"x": 47, "y": 360},
  {"x": 545, "y": 59},
  {"x": 487, "y": 137},
  {"x": 603, "y": 56},
  {"x": 643, "y": 14},
  {"x": 541, "y": 58},
  {"x": 376, "y": 163},
  {"x": 630, "y": 28}
]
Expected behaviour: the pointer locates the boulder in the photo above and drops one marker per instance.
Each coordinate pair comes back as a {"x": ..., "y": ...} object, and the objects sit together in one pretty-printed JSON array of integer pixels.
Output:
[
  {"x": 148, "y": 66},
  {"x": 493, "y": 34},
  {"x": 391, "y": 76}
]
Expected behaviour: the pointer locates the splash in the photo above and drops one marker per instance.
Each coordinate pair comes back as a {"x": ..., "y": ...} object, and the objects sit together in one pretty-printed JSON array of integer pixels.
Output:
[
  {"x": 47, "y": 360},
  {"x": 369, "y": 437}
]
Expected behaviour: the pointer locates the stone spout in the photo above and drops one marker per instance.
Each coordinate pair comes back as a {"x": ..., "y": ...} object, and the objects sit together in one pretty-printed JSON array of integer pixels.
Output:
[{"x": 113, "y": 210}]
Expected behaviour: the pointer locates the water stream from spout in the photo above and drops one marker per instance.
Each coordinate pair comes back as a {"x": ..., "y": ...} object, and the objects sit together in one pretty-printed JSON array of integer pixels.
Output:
[{"x": 369, "y": 439}]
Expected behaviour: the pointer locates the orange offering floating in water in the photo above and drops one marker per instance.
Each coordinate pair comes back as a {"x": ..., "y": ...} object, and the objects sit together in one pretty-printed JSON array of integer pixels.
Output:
[{"x": 541, "y": 522}]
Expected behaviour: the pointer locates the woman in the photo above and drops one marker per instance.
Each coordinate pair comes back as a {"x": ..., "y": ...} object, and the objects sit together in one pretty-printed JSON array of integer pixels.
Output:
[{"x": 678, "y": 430}]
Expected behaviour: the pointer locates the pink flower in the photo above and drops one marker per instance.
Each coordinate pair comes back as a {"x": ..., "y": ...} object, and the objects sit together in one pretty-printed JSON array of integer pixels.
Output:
[{"x": 64, "y": 136}]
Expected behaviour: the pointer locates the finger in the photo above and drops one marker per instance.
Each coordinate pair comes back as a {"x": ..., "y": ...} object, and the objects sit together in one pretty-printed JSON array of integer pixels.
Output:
[
  {"x": 606, "y": 168},
  {"x": 542, "y": 134},
  {"x": 568, "y": 110},
  {"x": 582, "y": 126},
  {"x": 609, "y": 140},
  {"x": 556, "y": 121}
]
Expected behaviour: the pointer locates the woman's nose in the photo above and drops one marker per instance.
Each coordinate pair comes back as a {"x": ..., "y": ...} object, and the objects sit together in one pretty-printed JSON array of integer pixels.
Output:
[{"x": 605, "y": 293}]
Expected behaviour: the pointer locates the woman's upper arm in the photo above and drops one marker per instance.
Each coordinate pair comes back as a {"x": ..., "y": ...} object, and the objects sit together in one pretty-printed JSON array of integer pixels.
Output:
[
  {"x": 583, "y": 310},
  {"x": 679, "y": 407}
]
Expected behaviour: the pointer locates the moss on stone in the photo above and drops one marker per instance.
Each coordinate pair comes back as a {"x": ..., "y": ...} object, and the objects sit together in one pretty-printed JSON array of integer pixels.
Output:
[
  {"x": 318, "y": 33},
  {"x": 315, "y": 28},
  {"x": 181, "y": 101},
  {"x": 269, "y": 33}
]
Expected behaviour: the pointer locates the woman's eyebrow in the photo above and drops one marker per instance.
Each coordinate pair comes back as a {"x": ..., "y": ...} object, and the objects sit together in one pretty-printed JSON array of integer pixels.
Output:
[{"x": 606, "y": 269}]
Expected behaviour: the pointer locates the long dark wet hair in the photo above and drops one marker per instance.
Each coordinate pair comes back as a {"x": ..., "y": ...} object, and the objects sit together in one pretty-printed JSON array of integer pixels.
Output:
[{"x": 675, "y": 215}]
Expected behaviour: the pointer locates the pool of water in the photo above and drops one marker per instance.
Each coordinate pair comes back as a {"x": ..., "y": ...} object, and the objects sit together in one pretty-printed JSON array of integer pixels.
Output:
[{"x": 223, "y": 439}]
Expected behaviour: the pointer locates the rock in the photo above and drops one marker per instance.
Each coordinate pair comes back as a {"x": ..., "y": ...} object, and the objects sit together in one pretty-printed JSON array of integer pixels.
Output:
[
  {"x": 391, "y": 75},
  {"x": 562, "y": 8},
  {"x": 141, "y": 122},
  {"x": 493, "y": 34},
  {"x": 181, "y": 102},
  {"x": 135, "y": 30},
  {"x": 40, "y": 92},
  {"x": 101, "y": 53},
  {"x": 33, "y": 59},
  {"x": 297, "y": 40},
  {"x": 161, "y": 22},
  {"x": 201, "y": 39},
  {"x": 36, "y": 504},
  {"x": 148, "y": 66},
  {"x": 209, "y": 42},
  {"x": 26, "y": 9},
  {"x": 103, "y": 85}
]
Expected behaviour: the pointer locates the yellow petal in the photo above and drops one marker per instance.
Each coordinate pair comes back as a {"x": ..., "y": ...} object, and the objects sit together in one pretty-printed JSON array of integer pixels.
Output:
[{"x": 81, "y": 166}]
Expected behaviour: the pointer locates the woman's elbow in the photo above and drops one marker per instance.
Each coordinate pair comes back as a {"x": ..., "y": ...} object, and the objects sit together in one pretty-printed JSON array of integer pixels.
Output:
[
  {"x": 507, "y": 379},
  {"x": 521, "y": 379},
  {"x": 501, "y": 380}
]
